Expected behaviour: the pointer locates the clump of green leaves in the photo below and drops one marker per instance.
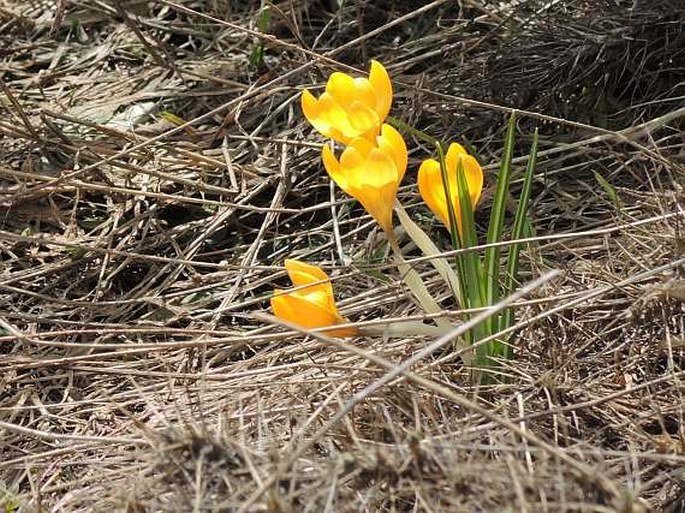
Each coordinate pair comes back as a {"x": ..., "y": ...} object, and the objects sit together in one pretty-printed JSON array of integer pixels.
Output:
[{"x": 482, "y": 283}]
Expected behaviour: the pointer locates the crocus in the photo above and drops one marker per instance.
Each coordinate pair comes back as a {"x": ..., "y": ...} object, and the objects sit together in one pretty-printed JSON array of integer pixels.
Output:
[
  {"x": 309, "y": 307},
  {"x": 432, "y": 189},
  {"x": 350, "y": 107},
  {"x": 371, "y": 172}
]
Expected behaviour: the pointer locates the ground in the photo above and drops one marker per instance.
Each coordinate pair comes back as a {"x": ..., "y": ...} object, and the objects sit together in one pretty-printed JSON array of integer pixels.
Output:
[{"x": 155, "y": 172}]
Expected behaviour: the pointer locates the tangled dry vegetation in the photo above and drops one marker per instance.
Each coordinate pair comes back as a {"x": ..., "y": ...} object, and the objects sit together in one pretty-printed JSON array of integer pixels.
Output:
[{"x": 155, "y": 171}]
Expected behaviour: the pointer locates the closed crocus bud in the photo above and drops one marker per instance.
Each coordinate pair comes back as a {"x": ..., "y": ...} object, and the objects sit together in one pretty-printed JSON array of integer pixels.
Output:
[
  {"x": 371, "y": 171},
  {"x": 310, "y": 306},
  {"x": 432, "y": 189},
  {"x": 350, "y": 107}
]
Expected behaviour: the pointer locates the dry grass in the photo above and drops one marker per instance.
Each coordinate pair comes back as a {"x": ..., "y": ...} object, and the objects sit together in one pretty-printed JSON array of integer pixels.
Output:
[{"x": 136, "y": 374}]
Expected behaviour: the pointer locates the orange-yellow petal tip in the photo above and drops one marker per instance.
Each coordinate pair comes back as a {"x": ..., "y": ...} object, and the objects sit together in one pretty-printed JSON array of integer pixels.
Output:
[
  {"x": 380, "y": 80},
  {"x": 309, "y": 105}
]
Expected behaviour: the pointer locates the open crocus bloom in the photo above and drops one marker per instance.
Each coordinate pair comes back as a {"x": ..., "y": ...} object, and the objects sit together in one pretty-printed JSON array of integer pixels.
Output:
[
  {"x": 432, "y": 189},
  {"x": 309, "y": 307},
  {"x": 350, "y": 107},
  {"x": 371, "y": 172}
]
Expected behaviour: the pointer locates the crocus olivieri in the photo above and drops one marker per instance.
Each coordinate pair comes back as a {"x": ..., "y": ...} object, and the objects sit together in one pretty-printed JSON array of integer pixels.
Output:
[
  {"x": 309, "y": 307},
  {"x": 371, "y": 172},
  {"x": 431, "y": 185},
  {"x": 350, "y": 107}
]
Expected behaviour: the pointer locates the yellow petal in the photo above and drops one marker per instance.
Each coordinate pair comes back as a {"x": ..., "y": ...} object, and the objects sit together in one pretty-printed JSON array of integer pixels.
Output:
[
  {"x": 378, "y": 202},
  {"x": 369, "y": 174},
  {"x": 332, "y": 166},
  {"x": 432, "y": 191},
  {"x": 474, "y": 178},
  {"x": 454, "y": 152},
  {"x": 362, "y": 119},
  {"x": 342, "y": 332},
  {"x": 380, "y": 169},
  {"x": 316, "y": 113},
  {"x": 350, "y": 107},
  {"x": 333, "y": 120},
  {"x": 376, "y": 169},
  {"x": 380, "y": 80},
  {"x": 365, "y": 93},
  {"x": 352, "y": 164},
  {"x": 344, "y": 123},
  {"x": 303, "y": 311},
  {"x": 375, "y": 186},
  {"x": 283, "y": 307},
  {"x": 310, "y": 307},
  {"x": 472, "y": 172},
  {"x": 310, "y": 106},
  {"x": 392, "y": 143},
  {"x": 301, "y": 273},
  {"x": 363, "y": 145},
  {"x": 342, "y": 88}
]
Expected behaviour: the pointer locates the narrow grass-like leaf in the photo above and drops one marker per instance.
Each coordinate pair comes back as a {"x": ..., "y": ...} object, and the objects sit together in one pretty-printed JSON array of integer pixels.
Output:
[
  {"x": 464, "y": 300},
  {"x": 473, "y": 270},
  {"x": 451, "y": 214},
  {"x": 469, "y": 239},
  {"x": 496, "y": 224},
  {"x": 521, "y": 222},
  {"x": 609, "y": 190},
  {"x": 172, "y": 118},
  {"x": 257, "y": 54},
  {"x": 528, "y": 229}
]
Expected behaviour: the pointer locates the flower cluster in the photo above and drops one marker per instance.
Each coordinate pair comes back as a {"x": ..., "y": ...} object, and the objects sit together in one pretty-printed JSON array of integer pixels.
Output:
[{"x": 353, "y": 112}]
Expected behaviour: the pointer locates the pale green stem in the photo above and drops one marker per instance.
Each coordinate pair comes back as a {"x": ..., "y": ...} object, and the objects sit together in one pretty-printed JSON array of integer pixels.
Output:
[
  {"x": 404, "y": 127},
  {"x": 429, "y": 249},
  {"x": 415, "y": 284}
]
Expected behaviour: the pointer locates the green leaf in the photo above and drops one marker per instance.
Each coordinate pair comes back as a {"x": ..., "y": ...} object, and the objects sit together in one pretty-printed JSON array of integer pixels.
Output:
[
  {"x": 473, "y": 270},
  {"x": 522, "y": 225},
  {"x": 408, "y": 129},
  {"x": 609, "y": 190},
  {"x": 496, "y": 224},
  {"x": 451, "y": 214},
  {"x": 464, "y": 300},
  {"x": 429, "y": 249},
  {"x": 75, "y": 252},
  {"x": 172, "y": 118},
  {"x": 257, "y": 54},
  {"x": 264, "y": 18},
  {"x": 11, "y": 506}
]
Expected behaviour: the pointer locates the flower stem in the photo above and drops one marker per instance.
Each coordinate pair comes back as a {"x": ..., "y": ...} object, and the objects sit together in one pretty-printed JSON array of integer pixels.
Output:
[
  {"x": 404, "y": 127},
  {"x": 416, "y": 285}
]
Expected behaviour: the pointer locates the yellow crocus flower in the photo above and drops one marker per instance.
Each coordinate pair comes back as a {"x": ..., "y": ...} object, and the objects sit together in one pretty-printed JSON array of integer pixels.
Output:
[
  {"x": 433, "y": 192},
  {"x": 309, "y": 307},
  {"x": 371, "y": 172},
  {"x": 350, "y": 107}
]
